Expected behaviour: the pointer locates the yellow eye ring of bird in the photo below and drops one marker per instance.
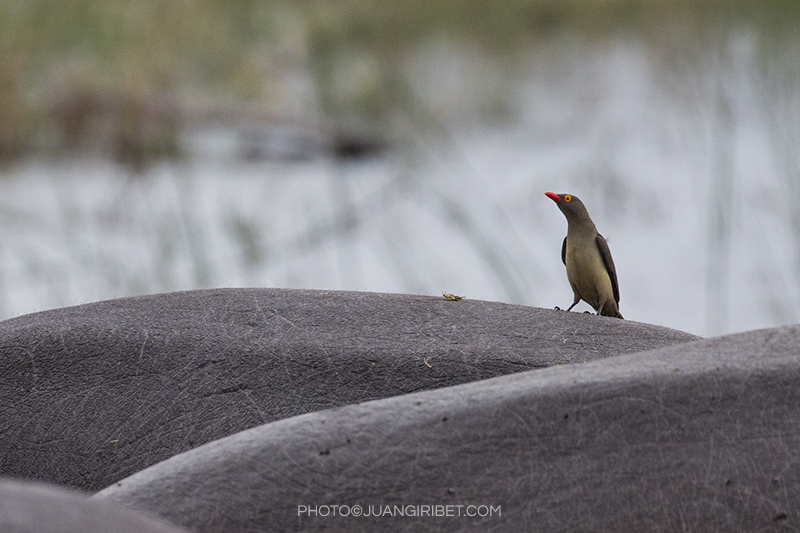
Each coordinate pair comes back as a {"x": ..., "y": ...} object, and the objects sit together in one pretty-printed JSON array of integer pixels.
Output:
[{"x": 567, "y": 198}]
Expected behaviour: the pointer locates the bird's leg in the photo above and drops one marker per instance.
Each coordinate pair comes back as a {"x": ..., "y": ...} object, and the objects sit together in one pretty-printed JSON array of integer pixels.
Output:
[
  {"x": 573, "y": 304},
  {"x": 600, "y": 306}
]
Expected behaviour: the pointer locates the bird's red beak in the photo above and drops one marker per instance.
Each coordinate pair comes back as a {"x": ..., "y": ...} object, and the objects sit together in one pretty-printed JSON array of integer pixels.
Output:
[{"x": 553, "y": 196}]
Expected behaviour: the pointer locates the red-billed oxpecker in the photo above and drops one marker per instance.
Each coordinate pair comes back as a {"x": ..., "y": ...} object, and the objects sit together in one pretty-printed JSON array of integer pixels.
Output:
[{"x": 590, "y": 268}]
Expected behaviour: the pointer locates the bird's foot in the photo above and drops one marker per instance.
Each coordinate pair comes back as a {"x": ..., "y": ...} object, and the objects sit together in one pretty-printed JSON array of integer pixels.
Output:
[
  {"x": 588, "y": 313},
  {"x": 557, "y": 308}
]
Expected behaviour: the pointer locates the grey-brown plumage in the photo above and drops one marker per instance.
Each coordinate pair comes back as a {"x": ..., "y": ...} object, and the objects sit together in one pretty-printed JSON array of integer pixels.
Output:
[{"x": 585, "y": 253}]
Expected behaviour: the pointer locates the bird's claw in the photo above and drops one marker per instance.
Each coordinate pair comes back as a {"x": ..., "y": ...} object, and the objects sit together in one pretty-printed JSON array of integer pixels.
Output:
[{"x": 557, "y": 308}]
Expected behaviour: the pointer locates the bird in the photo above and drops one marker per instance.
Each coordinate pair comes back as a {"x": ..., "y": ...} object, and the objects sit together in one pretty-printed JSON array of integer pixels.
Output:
[{"x": 590, "y": 268}]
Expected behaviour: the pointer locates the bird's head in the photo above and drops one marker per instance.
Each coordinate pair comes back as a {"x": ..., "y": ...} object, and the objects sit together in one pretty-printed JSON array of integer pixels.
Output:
[{"x": 570, "y": 205}]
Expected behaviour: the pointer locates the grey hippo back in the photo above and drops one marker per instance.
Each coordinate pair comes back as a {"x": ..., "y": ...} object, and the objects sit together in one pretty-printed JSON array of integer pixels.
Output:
[
  {"x": 94, "y": 393},
  {"x": 697, "y": 437},
  {"x": 38, "y": 508}
]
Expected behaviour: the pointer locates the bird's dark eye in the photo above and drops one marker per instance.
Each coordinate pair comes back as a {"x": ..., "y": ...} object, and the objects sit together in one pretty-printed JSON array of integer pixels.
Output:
[{"x": 567, "y": 198}]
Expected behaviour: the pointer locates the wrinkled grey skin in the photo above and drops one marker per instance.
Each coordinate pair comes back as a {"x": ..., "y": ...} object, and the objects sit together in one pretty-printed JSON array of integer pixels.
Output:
[
  {"x": 94, "y": 393},
  {"x": 39, "y": 508},
  {"x": 701, "y": 436}
]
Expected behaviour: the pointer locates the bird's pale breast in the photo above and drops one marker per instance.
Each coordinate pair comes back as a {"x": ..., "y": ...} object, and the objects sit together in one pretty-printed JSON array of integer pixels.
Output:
[{"x": 587, "y": 273}]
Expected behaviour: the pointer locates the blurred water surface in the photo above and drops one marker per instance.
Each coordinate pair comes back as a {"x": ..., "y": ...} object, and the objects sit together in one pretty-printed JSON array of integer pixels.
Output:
[{"x": 681, "y": 136}]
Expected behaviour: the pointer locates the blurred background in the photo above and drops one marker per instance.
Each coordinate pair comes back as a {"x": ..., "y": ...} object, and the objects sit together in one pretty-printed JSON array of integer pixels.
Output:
[{"x": 403, "y": 146}]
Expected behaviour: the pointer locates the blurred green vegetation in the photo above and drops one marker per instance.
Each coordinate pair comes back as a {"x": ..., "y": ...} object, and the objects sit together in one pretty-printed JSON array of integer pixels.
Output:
[{"x": 119, "y": 76}]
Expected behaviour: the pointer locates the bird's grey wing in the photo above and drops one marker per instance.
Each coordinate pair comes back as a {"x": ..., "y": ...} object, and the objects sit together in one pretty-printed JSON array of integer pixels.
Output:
[
  {"x": 564, "y": 252},
  {"x": 605, "y": 253}
]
